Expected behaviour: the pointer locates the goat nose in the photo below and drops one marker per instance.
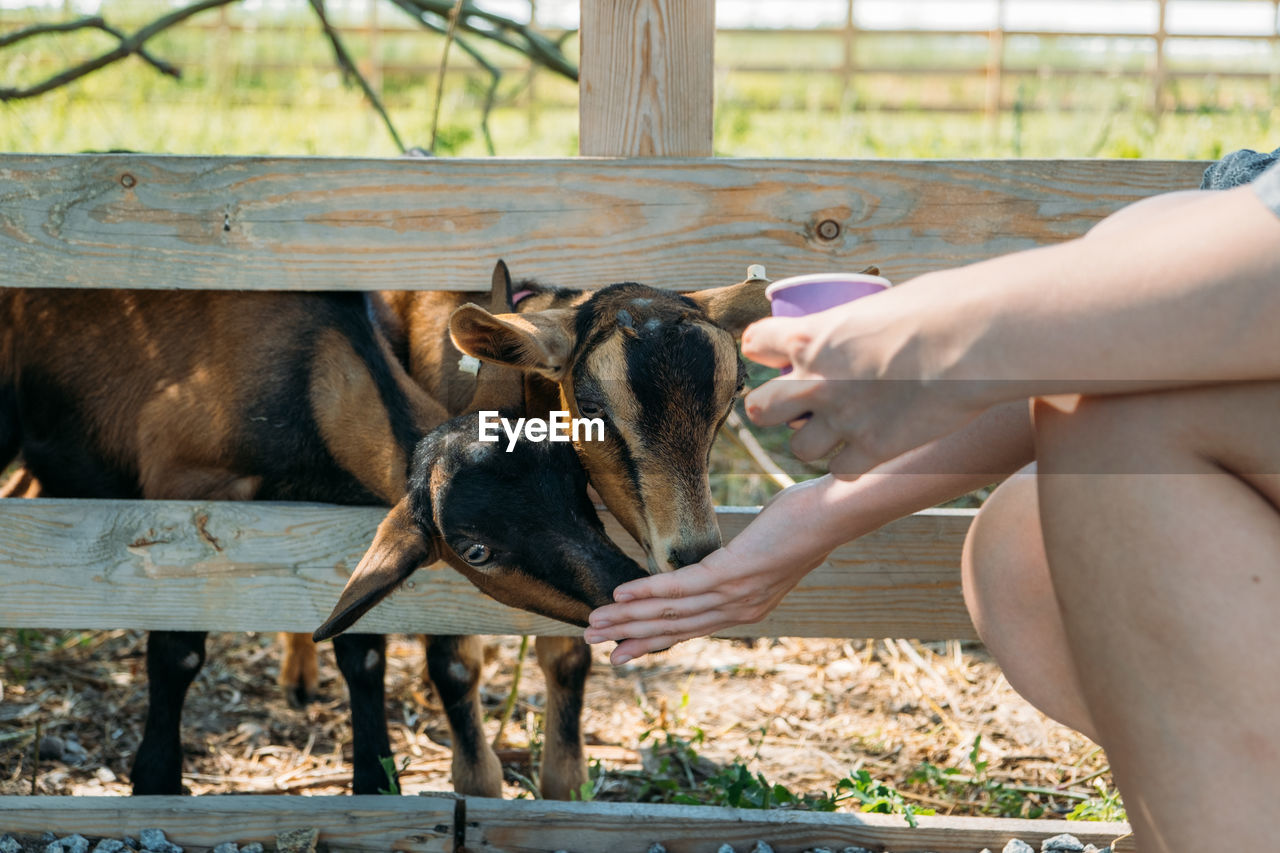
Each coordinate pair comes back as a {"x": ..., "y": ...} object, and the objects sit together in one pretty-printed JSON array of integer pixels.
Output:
[{"x": 685, "y": 555}]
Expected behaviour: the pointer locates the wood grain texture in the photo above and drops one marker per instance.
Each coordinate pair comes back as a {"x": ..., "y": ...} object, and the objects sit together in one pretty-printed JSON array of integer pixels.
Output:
[
  {"x": 350, "y": 824},
  {"x": 426, "y": 825},
  {"x": 647, "y": 78},
  {"x": 331, "y": 224},
  {"x": 261, "y": 566},
  {"x": 524, "y": 826}
]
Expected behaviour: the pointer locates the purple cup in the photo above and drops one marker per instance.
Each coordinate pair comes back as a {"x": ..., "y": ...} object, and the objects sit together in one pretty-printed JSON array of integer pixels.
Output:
[{"x": 809, "y": 294}]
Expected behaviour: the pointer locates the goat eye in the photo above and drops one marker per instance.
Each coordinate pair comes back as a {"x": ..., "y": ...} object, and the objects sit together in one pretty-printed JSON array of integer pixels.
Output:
[
  {"x": 590, "y": 409},
  {"x": 477, "y": 554}
]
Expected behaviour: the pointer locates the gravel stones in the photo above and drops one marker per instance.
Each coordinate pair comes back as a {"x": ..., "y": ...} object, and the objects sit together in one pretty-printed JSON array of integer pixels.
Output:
[
  {"x": 9, "y": 844},
  {"x": 1062, "y": 844},
  {"x": 1018, "y": 846},
  {"x": 154, "y": 840}
]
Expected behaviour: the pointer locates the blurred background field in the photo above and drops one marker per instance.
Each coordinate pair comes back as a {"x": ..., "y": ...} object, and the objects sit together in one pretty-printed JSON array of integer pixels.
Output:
[{"x": 825, "y": 78}]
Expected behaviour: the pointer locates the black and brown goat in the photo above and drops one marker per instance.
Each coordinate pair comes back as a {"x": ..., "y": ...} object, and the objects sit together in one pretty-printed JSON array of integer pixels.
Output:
[
  {"x": 137, "y": 394},
  {"x": 518, "y": 523},
  {"x": 660, "y": 368}
]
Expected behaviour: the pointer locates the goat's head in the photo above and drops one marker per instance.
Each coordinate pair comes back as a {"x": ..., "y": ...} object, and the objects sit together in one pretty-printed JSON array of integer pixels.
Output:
[
  {"x": 517, "y": 524},
  {"x": 661, "y": 370}
]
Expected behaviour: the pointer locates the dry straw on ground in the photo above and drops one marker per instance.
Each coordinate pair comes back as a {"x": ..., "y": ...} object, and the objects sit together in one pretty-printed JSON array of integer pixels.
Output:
[{"x": 805, "y": 713}]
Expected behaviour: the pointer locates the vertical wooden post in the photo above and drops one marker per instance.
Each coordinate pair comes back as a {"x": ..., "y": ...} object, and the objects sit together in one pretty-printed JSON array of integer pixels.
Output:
[
  {"x": 850, "y": 53},
  {"x": 995, "y": 72},
  {"x": 222, "y": 74},
  {"x": 375, "y": 48},
  {"x": 1275, "y": 45},
  {"x": 647, "y": 78},
  {"x": 1158, "y": 81},
  {"x": 530, "y": 93}
]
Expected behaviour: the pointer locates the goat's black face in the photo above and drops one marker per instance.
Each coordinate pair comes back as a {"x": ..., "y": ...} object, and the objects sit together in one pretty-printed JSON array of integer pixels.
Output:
[
  {"x": 517, "y": 524},
  {"x": 661, "y": 371}
]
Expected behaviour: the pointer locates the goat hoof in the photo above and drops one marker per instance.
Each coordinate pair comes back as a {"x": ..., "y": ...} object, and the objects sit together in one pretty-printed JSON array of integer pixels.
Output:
[{"x": 298, "y": 696}]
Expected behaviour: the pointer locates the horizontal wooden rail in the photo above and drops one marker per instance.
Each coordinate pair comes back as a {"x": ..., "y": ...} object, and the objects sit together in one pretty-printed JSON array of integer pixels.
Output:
[
  {"x": 263, "y": 566},
  {"x": 451, "y": 825},
  {"x": 340, "y": 224}
]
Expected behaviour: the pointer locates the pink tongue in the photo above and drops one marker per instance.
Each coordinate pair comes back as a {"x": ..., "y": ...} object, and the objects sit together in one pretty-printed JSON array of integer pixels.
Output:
[{"x": 518, "y": 295}]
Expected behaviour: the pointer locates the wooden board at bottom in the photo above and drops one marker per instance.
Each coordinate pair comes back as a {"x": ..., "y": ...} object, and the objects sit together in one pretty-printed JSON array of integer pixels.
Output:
[
  {"x": 347, "y": 824},
  {"x": 529, "y": 826},
  {"x": 437, "y": 823}
]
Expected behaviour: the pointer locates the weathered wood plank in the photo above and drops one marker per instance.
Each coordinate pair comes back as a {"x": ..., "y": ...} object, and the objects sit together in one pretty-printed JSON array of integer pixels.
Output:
[
  {"x": 524, "y": 826},
  {"x": 647, "y": 78},
  {"x": 335, "y": 224},
  {"x": 348, "y": 824},
  {"x": 262, "y": 566},
  {"x": 426, "y": 824}
]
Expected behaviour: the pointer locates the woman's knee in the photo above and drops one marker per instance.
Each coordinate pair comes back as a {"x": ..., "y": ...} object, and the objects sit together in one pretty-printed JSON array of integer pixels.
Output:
[
  {"x": 1002, "y": 542},
  {"x": 1010, "y": 597}
]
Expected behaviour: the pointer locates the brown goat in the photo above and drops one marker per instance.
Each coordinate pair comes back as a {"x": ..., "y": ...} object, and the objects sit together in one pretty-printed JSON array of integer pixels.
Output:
[
  {"x": 663, "y": 370},
  {"x": 217, "y": 396}
]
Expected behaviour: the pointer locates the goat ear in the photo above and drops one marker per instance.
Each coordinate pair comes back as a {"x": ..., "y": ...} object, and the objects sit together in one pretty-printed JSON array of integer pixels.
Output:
[
  {"x": 735, "y": 307},
  {"x": 500, "y": 289},
  {"x": 399, "y": 547},
  {"x": 540, "y": 341}
]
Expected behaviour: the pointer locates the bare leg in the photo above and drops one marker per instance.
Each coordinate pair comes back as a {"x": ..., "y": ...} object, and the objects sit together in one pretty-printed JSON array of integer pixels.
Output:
[
  {"x": 1007, "y": 586},
  {"x": 566, "y": 662},
  {"x": 1162, "y": 532},
  {"x": 1011, "y": 601},
  {"x": 453, "y": 664}
]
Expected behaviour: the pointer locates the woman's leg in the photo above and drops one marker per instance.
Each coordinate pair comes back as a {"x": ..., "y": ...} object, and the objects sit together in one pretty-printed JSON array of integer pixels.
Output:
[
  {"x": 1011, "y": 601},
  {"x": 1162, "y": 529},
  {"x": 1007, "y": 586}
]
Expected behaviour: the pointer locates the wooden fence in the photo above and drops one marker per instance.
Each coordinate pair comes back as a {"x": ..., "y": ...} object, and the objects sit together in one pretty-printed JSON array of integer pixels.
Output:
[
  {"x": 380, "y": 27},
  {"x": 688, "y": 222}
]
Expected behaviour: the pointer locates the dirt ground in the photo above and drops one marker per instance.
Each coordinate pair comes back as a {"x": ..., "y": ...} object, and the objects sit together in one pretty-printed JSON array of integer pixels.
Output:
[{"x": 804, "y": 713}]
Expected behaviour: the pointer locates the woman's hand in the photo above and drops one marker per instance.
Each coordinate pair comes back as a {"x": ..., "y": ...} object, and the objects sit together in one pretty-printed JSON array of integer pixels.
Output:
[
  {"x": 737, "y": 585},
  {"x": 869, "y": 378}
]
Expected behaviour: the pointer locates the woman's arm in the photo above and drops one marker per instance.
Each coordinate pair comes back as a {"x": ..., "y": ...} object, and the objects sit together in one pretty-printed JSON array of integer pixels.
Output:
[
  {"x": 742, "y": 582},
  {"x": 1186, "y": 297}
]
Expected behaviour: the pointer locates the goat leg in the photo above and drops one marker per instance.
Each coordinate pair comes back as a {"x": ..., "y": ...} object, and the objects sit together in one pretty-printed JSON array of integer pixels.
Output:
[
  {"x": 453, "y": 664},
  {"x": 173, "y": 659},
  {"x": 362, "y": 660},
  {"x": 565, "y": 661}
]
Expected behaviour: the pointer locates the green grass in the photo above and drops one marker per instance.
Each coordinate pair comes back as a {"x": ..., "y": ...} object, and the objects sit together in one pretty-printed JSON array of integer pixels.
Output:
[{"x": 301, "y": 105}]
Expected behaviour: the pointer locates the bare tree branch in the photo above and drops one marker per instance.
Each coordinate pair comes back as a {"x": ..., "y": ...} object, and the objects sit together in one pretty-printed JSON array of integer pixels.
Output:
[
  {"x": 432, "y": 14},
  {"x": 454, "y": 15},
  {"x": 495, "y": 73},
  {"x": 128, "y": 46},
  {"x": 344, "y": 60},
  {"x": 89, "y": 23},
  {"x": 515, "y": 35}
]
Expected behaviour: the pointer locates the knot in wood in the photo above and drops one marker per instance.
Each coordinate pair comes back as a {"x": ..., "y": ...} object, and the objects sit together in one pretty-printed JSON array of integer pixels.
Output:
[
  {"x": 828, "y": 229},
  {"x": 127, "y": 180}
]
